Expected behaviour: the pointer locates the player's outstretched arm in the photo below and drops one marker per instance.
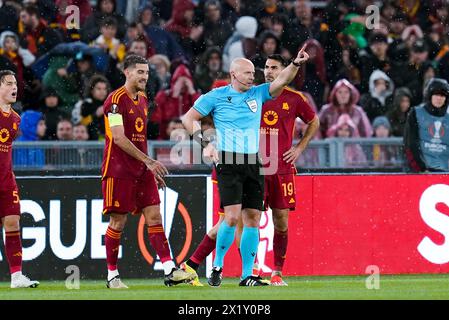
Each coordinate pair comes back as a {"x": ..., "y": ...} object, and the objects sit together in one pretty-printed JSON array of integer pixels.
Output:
[
  {"x": 120, "y": 139},
  {"x": 293, "y": 154},
  {"x": 288, "y": 74}
]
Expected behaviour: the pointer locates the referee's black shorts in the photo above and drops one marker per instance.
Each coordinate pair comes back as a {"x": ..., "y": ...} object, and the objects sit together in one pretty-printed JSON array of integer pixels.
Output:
[{"x": 240, "y": 180}]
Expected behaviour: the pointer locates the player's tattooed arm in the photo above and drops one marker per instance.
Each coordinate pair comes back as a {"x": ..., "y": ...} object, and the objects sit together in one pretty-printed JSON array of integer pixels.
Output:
[{"x": 293, "y": 154}]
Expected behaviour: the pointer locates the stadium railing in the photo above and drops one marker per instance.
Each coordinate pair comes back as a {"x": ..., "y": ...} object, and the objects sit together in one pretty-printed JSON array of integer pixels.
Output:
[{"x": 361, "y": 153}]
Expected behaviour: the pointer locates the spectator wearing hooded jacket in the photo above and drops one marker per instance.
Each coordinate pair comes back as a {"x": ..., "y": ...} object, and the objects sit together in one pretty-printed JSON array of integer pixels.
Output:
[
  {"x": 346, "y": 128},
  {"x": 425, "y": 136},
  {"x": 398, "y": 111},
  {"x": 380, "y": 96},
  {"x": 20, "y": 57},
  {"x": 32, "y": 128},
  {"x": 242, "y": 43},
  {"x": 56, "y": 77},
  {"x": 182, "y": 28},
  {"x": 343, "y": 100},
  {"x": 176, "y": 101}
]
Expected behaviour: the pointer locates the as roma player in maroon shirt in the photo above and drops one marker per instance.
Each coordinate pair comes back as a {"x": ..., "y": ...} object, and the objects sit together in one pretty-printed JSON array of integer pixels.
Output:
[
  {"x": 9, "y": 193},
  {"x": 130, "y": 177}
]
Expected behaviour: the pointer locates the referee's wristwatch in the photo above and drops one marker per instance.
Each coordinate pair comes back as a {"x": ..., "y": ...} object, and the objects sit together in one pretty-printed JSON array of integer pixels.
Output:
[
  {"x": 202, "y": 141},
  {"x": 296, "y": 64}
]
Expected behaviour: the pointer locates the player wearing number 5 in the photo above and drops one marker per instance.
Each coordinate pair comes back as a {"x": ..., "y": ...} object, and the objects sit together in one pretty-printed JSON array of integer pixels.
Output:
[{"x": 9, "y": 193}]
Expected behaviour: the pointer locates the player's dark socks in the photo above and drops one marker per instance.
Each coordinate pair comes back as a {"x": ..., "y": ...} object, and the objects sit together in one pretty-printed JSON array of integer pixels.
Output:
[
  {"x": 204, "y": 249},
  {"x": 159, "y": 242},
  {"x": 112, "y": 243},
  {"x": 192, "y": 264},
  {"x": 280, "y": 241},
  {"x": 13, "y": 248}
]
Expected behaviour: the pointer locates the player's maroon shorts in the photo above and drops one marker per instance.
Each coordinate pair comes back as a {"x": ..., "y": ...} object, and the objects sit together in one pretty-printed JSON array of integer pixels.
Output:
[
  {"x": 280, "y": 191},
  {"x": 129, "y": 195},
  {"x": 9, "y": 203}
]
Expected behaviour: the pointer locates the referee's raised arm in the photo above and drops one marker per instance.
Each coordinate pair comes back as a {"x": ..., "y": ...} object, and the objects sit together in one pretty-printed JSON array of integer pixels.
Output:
[{"x": 289, "y": 73}]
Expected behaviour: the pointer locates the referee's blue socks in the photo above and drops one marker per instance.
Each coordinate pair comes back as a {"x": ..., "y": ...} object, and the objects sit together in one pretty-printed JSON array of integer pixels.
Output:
[
  {"x": 248, "y": 249},
  {"x": 225, "y": 237}
]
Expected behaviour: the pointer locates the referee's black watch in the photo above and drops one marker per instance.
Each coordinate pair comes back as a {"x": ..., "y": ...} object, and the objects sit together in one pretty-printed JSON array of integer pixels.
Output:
[
  {"x": 296, "y": 64},
  {"x": 201, "y": 140}
]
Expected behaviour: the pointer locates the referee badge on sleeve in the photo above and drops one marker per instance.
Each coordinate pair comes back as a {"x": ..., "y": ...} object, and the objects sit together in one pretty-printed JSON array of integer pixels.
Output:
[
  {"x": 252, "y": 104},
  {"x": 114, "y": 108}
]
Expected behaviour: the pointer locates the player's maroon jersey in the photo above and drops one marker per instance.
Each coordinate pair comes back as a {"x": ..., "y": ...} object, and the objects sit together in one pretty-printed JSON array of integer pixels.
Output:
[
  {"x": 116, "y": 162},
  {"x": 9, "y": 126},
  {"x": 278, "y": 119}
]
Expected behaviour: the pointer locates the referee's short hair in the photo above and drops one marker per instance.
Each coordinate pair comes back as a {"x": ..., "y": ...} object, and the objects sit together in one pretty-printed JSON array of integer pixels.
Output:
[
  {"x": 132, "y": 60},
  {"x": 4, "y": 73},
  {"x": 279, "y": 58}
]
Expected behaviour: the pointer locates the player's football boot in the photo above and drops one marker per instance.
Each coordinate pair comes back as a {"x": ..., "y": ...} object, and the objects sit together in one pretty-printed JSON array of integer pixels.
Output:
[
  {"x": 215, "y": 277},
  {"x": 21, "y": 281},
  {"x": 276, "y": 280},
  {"x": 252, "y": 281},
  {"x": 116, "y": 283},
  {"x": 178, "y": 276},
  {"x": 196, "y": 280}
]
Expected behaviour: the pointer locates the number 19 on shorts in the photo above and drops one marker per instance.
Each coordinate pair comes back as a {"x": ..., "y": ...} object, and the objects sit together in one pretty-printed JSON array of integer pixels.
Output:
[{"x": 288, "y": 189}]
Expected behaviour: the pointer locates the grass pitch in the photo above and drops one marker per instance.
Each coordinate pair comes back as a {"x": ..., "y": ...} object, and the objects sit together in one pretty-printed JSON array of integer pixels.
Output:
[{"x": 299, "y": 288}]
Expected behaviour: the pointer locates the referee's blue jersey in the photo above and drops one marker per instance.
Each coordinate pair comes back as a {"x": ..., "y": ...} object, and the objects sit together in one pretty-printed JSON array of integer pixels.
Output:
[{"x": 236, "y": 116}]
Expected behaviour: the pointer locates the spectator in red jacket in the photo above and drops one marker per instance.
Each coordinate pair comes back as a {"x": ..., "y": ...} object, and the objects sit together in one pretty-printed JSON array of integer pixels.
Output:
[{"x": 175, "y": 101}]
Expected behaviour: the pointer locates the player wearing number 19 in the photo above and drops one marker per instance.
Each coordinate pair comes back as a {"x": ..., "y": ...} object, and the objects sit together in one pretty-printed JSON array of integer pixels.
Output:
[{"x": 9, "y": 194}]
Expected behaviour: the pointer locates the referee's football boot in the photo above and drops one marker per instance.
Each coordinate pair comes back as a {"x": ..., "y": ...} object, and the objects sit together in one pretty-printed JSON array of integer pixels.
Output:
[
  {"x": 252, "y": 281},
  {"x": 177, "y": 276},
  {"x": 215, "y": 277}
]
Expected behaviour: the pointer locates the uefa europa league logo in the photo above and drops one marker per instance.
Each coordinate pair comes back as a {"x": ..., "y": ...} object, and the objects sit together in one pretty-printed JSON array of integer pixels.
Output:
[{"x": 437, "y": 125}]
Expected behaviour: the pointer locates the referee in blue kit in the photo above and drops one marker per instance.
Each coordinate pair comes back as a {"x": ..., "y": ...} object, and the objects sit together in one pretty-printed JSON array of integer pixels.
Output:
[{"x": 236, "y": 110}]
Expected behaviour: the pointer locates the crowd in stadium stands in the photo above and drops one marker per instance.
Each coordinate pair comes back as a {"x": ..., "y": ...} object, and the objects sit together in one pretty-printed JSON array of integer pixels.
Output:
[{"x": 363, "y": 77}]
